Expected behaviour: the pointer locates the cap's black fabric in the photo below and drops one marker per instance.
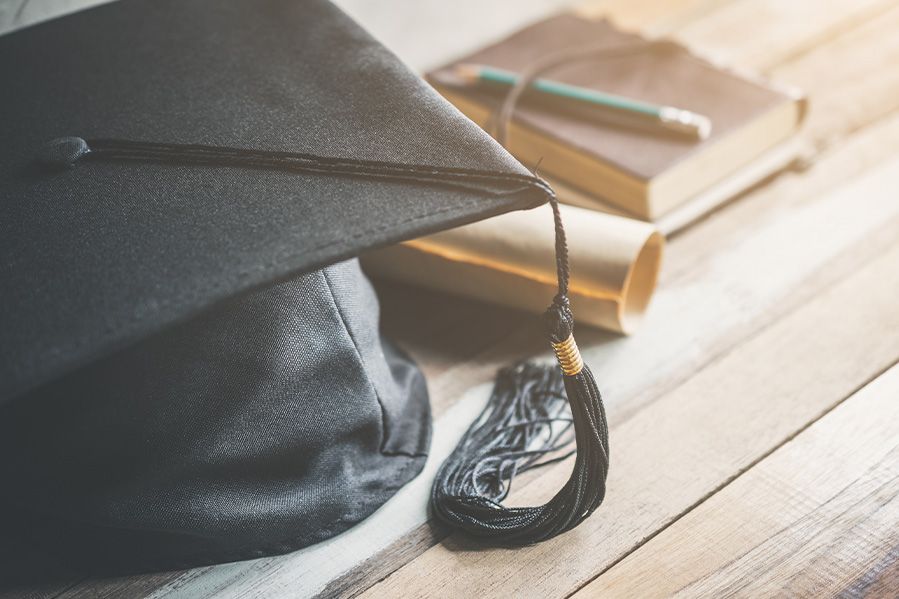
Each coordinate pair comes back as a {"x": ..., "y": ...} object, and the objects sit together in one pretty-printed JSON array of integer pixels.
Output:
[
  {"x": 190, "y": 371},
  {"x": 269, "y": 423},
  {"x": 100, "y": 255}
]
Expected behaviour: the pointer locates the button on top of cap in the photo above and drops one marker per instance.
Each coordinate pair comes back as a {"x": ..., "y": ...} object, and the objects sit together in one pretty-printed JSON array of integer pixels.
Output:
[{"x": 63, "y": 152}]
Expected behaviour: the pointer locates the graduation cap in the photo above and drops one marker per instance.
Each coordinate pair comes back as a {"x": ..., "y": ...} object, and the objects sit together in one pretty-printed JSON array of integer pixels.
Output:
[{"x": 191, "y": 369}]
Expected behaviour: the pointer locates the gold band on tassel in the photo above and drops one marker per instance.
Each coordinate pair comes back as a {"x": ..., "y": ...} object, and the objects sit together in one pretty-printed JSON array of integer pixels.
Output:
[{"x": 569, "y": 356}]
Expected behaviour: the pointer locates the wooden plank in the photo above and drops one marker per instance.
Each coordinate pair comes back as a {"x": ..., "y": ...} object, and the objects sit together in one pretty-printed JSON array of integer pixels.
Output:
[
  {"x": 757, "y": 34},
  {"x": 695, "y": 439},
  {"x": 653, "y": 18},
  {"x": 861, "y": 57},
  {"x": 852, "y": 80},
  {"x": 819, "y": 515},
  {"x": 762, "y": 256}
]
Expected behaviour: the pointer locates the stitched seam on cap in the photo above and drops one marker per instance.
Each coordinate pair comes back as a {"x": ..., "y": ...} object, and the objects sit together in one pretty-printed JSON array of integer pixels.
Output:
[
  {"x": 371, "y": 384},
  {"x": 127, "y": 325}
]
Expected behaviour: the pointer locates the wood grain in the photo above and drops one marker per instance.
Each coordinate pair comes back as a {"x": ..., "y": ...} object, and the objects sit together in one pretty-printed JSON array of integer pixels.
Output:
[
  {"x": 819, "y": 515},
  {"x": 757, "y": 34},
  {"x": 652, "y": 18},
  {"x": 672, "y": 455},
  {"x": 852, "y": 80},
  {"x": 764, "y": 255}
]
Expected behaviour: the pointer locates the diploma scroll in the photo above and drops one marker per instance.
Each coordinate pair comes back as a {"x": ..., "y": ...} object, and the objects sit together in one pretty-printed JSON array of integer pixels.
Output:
[{"x": 509, "y": 260}]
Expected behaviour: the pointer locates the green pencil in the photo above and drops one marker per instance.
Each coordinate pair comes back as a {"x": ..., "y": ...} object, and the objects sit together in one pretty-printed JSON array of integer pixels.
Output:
[{"x": 626, "y": 111}]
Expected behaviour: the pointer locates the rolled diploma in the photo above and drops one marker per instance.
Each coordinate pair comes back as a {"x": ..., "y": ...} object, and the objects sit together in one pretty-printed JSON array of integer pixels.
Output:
[{"x": 510, "y": 260}]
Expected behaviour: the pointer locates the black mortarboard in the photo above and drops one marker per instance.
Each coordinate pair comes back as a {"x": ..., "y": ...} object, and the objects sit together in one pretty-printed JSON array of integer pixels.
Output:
[{"x": 191, "y": 364}]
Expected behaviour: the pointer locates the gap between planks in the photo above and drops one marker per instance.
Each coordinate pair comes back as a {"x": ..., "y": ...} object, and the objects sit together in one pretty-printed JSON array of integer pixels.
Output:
[
  {"x": 677, "y": 560},
  {"x": 727, "y": 482}
]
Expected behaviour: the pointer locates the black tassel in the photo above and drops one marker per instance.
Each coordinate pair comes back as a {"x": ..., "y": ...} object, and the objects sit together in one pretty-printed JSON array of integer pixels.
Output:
[{"x": 523, "y": 422}]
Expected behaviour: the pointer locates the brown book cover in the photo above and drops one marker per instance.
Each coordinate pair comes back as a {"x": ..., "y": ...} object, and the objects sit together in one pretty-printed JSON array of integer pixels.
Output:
[{"x": 646, "y": 173}]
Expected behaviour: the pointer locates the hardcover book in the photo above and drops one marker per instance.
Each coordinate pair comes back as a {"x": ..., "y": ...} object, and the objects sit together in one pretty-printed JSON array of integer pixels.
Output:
[{"x": 641, "y": 173}]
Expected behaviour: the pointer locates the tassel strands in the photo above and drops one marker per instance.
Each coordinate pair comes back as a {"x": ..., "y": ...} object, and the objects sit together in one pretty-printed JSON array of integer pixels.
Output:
[{"x": 523, "y": 423}]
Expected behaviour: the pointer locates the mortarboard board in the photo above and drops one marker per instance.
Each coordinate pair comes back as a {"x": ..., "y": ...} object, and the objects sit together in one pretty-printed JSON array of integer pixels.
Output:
[{"x": 191, "y": 365}]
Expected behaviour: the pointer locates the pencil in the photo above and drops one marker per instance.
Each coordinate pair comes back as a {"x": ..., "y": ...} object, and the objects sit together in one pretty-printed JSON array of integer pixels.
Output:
[{"x": 615, "y": 108}]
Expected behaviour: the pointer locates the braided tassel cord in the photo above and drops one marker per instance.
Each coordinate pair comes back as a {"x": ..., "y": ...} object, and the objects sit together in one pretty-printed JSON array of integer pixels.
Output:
[{"x": 522, "y": 423}]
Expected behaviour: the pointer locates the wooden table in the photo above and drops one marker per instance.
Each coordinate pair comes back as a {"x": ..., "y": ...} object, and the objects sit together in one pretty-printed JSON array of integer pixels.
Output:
[{"x": 754, "y": 417}]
